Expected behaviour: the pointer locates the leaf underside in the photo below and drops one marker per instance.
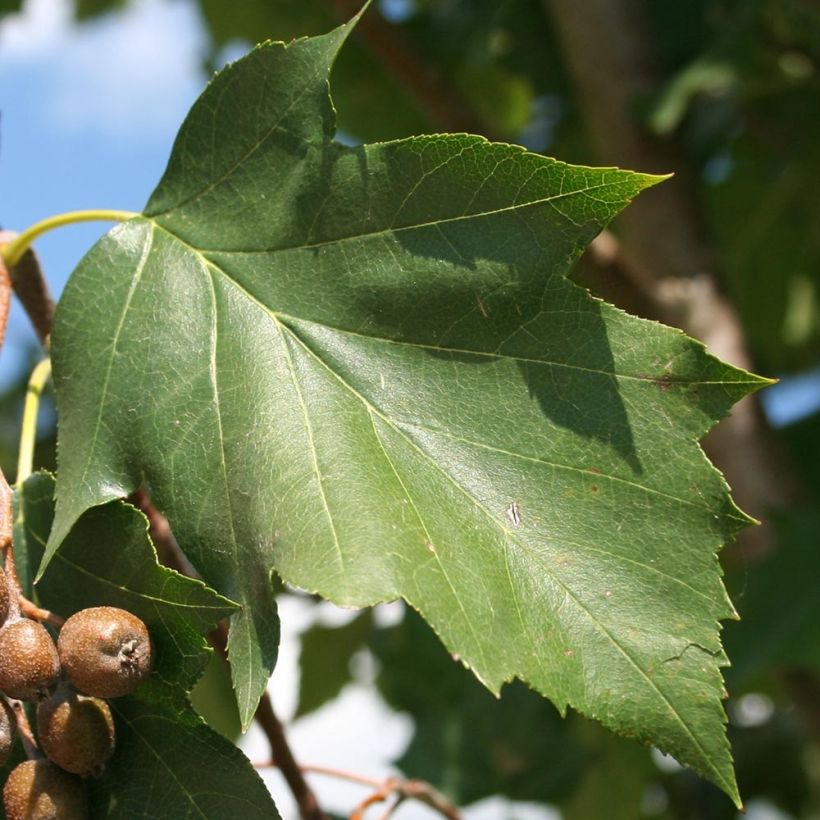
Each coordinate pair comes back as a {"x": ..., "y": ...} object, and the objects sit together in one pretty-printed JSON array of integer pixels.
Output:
[{"x": 366, "y": 369}]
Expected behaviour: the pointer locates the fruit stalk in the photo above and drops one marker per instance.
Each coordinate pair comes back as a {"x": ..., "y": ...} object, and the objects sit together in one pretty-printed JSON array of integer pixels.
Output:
[{"x": 13, "y": 251}]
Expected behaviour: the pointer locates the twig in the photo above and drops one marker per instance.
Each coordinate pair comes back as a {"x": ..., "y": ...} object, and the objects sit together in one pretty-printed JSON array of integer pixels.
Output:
[
  {"x": 18, "y": 603},
  {"x": 285, "y": 761},
  {"x": 8, "y": 570},
  {"x": 6, "y": 513},
  {"x": 24, "y": 729},
  {"x": 407, "y": 790},
  {"x": 342, "y": 774},
  {"x": 390, "y": 810},
  {"x": 419, "y": 790},
  {"x": 168, "y": 550}
]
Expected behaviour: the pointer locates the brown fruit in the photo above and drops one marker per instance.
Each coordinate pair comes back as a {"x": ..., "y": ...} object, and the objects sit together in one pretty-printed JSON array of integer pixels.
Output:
[
  {"x": 29, "y": 665},
  {"x": 76, "y": 732},
  {"x": 105, "y": 651},
  {"x": 8, "y": 731},
  {"x": 39, "y": 790}
]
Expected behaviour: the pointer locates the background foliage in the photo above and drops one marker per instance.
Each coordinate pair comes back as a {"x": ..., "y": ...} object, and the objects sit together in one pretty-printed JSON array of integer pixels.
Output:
[{"x": 739, "y": 98}]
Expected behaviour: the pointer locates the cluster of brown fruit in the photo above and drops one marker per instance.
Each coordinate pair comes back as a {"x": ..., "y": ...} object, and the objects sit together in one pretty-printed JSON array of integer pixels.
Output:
[{"x": 101, "y": 652}]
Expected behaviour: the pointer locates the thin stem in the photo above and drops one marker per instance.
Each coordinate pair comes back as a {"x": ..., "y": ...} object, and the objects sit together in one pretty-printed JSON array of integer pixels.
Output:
[
  {"x": 419, "y": 790},
  {"x": 24, "y": 729},
  {"x": 9, "y": 577},
  {"x": 168, "y": 550},
  {"x": 15, "y": 249},
  {"x": 8, "y": 572},
  {"x": 6, "y": 513},
  {"x": 329, "y": 771},
  {"x": 35, "y": 613},
  {"x": 342, "y": 774},
  {"x": 28, "y": 430}
]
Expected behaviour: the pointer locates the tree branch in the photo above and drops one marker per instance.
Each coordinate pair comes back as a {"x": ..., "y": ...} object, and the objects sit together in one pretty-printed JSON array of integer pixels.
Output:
[
  {"x": 443, "y": 108},
  {"x": 419, "y": 790},
  {"x": 285, "y": 761}
]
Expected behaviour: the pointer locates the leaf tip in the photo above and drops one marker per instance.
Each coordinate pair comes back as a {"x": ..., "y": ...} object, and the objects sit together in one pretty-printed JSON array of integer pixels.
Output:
[{"x": 651, "y": 180}]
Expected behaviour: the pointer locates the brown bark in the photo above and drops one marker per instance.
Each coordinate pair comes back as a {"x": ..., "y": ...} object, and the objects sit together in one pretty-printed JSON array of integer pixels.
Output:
[{"x": 608, "y": 46}]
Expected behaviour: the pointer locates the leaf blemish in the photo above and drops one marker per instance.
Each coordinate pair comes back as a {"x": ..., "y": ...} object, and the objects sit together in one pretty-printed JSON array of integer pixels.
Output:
[{"x": 513, "y": 513}]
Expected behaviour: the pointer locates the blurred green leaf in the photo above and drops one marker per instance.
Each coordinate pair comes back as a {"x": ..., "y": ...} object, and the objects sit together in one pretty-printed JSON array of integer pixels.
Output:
[
  {"x": 324, "y": 661},
  {"x": 371, "y": 104},
  {"x": 779, "y": 606},
  {"x": 10, "y": 6},
  {"x": 468, "y": 743},
  {"x": 89, "y": 9},
  {"x": 615, "y": 780}
]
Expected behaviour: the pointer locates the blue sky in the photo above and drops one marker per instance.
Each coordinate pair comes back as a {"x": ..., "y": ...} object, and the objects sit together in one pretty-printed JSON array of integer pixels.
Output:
[{"x": 89, "y": 114}]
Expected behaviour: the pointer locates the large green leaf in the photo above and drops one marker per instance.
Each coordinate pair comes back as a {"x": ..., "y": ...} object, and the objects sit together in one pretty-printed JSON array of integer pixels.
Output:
[
  {"x": 168, "y": 763},
  {"x": 367, "y": 368}
]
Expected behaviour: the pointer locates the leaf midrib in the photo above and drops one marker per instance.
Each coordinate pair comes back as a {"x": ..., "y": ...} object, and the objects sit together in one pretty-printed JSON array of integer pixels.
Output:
[
  {"x": 392, "y": 229},
  {"x": 282, "y": 316}
]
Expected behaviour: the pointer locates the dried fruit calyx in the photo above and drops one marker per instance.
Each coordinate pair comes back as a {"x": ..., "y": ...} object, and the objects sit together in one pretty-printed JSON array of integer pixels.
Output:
[
  {"x": 29, "y": 665},
  {"x": 75, "y": 731},
  {"x": 105, "y": 651},
  {"x": 39, "y": 790}
]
